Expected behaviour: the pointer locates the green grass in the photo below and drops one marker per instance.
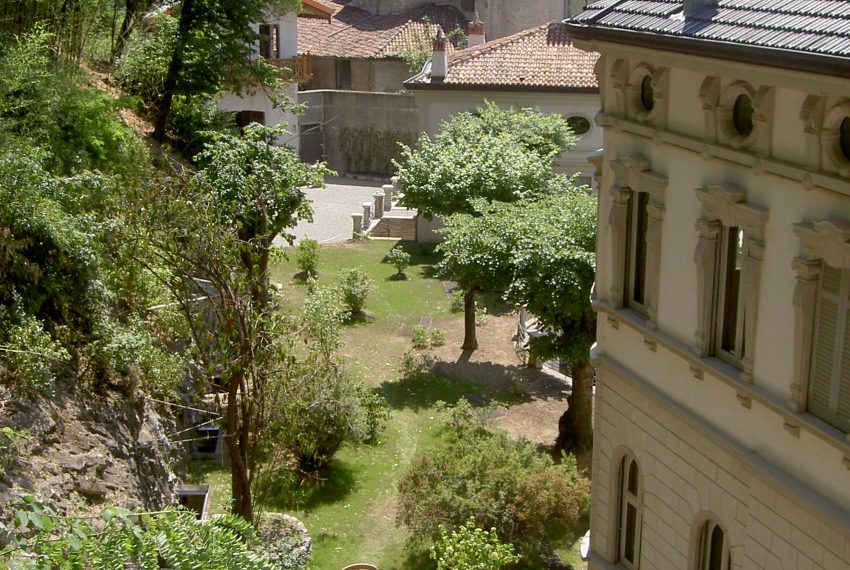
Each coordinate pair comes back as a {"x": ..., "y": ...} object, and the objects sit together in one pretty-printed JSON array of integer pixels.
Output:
[{"x": 349, "y": 513}]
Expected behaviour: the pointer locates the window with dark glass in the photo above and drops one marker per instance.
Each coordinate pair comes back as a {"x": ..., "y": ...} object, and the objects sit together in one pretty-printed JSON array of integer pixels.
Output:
[
  {"x": 245, "y": 118},
  {"x": 636, "y": 268},
  {"x": 343, "y": 74},
  {"x": 730, "y": 314},
  {"x": 630, "y": 513},
  {"x": 269, "y": 41},
  {"x": 742, "y": 115},
  {"x": 578, "y": 125},
  {"x": 713, "y": 551},
  {"x": 844, "y": 137},
  {"x": 647, "y": 93}
]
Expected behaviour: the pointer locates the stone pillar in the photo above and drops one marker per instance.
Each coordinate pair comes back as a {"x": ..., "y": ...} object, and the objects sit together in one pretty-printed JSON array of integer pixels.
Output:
[
  {"x": 367, "y": 215},
  {"x": 378, "y": 210},
  {"x": 357, "y": 223},
  {"x": 388, "y": 196}
]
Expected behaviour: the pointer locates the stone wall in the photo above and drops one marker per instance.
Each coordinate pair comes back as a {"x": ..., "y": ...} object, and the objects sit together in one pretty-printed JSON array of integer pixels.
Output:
[
  {"x": 361, "y": 130},
  {"x": 690, "y": 473},
  {"x": 366, "y": 74}
]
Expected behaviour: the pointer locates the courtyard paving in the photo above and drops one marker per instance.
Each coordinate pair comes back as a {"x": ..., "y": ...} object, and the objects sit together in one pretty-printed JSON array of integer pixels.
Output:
[{"x": 332, "y": 209}]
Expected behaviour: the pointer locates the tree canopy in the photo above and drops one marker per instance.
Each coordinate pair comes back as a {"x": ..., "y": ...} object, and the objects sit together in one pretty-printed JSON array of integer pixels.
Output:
[
  {"x": 539, "y": 253},
  {"x": 492, "y": 153}
]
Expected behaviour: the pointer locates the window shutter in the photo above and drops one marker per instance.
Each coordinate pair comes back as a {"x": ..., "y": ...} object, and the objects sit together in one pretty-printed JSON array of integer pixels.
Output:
[
  {"x": 265, "y": 40},
  {"x": 824, "y": 352},
  {"x": 843, "y": 412}
]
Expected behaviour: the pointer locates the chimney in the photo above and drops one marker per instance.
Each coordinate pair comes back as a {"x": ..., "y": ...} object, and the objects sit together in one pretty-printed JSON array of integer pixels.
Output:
[
  {"x": 440, "y": 59},
  {"x": 694, "y": 6},
  {"x": 476, "y": 32}
]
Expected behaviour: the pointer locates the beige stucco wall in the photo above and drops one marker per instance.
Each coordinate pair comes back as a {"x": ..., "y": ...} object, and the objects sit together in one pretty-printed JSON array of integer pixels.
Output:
[
  {"x": 437, "y": 106},
  {"x": 366, "y": 74},
  {"x": 709, "y": 443}
]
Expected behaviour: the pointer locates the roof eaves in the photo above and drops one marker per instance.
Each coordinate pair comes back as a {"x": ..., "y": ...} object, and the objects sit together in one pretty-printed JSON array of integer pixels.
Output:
[{"x": 758, "y": 55}]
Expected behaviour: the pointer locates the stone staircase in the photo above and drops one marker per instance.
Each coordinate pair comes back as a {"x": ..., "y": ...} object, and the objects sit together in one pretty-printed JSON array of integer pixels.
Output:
[
  {"x": 399, "y": 222},
  {"x": 396, "y": 221}
]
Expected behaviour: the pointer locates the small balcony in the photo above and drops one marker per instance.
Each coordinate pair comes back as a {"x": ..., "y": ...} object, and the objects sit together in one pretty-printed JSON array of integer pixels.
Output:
[{"x": 300, "y": 68}]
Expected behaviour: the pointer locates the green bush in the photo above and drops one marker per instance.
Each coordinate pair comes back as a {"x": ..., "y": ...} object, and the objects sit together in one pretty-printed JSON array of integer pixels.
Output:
[
  {"x": 438, "y": 337},
  {"x": 324, "y": 313},
  {"x": 307, "y": 257},
  {"x": 398, "y": 258},
  {"x": 420, "y": 337},
  {"x": 355, "y": 286},
  {"x": 27, "y": 355},
  {"x": 142, "y": 68},
  {"x": 471, "y": 548},
  {"x": 499, "y": 483}
]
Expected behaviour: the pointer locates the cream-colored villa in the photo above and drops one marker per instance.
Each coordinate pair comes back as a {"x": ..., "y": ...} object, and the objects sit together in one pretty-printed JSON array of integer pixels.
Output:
[{"x": 723, "y": 284}]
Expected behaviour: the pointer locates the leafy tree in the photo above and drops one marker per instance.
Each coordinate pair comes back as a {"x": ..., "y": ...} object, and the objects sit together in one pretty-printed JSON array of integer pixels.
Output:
[
  {"x": 214, "y": 237},
  {"x": 539, "y": 253},
  {"x": 213, "y": 48},
  {"x": 399, "y": 259},
  {"x": 490, "y": 154}
]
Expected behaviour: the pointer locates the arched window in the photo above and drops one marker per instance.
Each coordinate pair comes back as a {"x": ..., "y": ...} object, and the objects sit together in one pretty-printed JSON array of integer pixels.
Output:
[
  {"x": 714, "y": 548},
  {"x": 630, "y": 513}
]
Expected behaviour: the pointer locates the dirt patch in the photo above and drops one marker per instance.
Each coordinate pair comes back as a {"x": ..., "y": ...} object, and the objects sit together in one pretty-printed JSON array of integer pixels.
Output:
[{"x": 542, "y": 397}]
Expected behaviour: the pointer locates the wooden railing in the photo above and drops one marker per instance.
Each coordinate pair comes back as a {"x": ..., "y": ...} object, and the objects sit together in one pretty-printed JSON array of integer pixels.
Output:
[{"x": 300, "y": 68}]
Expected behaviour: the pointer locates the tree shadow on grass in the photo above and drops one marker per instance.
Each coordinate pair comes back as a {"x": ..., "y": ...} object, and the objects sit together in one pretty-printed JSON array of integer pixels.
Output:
[
  {"x": 329, "y": 486},
  {"x": 481, "y": 383},
  {"x": 422, "y": 256}
]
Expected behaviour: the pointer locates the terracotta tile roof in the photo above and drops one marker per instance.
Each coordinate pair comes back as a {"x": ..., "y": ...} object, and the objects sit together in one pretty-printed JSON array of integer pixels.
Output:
[
  {"x": 780, "y": 29},
  {"x": 353, "y": 33},
  {"x": 541, "y": 58}
]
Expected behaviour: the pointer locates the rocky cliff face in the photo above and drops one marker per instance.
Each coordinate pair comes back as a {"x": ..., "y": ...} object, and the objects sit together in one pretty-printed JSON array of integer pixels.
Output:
[{"x": 86, "y": 451}]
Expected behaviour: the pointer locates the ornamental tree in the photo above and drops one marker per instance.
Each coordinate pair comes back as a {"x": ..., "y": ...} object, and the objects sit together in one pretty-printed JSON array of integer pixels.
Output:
[
  {"x": 492, "y": 153},
  {"x": 539, "y": 253}
]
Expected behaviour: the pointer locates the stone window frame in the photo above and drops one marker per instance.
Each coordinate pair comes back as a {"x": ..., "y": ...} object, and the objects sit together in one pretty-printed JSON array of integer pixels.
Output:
[
  {"x": 636, "y": 110},
  {"x": 718, "y": 106},
  {"x": 702, "y": 554},
  {"x": 726, "y": 206},
  {"x": 633, "y": 174},
  {"x": 831, "y": 137},
  {"x": 821, "y": 242},
  {"x": 625, "y": 499}
]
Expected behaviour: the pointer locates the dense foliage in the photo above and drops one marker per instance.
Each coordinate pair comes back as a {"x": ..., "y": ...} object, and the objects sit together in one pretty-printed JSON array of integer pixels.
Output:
[
  {"x": 492, "y": 153},
  {"x": 149, "y": 541},
  {"x": 499, "y": 483},
  {"x": 542, "y": 254},
  {"x": 471, "y": 548}
]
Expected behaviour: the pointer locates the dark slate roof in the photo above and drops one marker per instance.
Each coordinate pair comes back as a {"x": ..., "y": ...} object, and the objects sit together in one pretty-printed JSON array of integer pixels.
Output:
[{"x": 784, "y": 27}]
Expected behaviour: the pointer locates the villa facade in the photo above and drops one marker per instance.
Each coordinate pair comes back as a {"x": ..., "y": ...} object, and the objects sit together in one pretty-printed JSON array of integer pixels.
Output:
[{"x": 723, "y": 284}]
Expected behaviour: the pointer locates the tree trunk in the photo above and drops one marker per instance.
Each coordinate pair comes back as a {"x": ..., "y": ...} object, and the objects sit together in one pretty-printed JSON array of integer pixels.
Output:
[
  {"x": 575, "y": 428},
  {"x": 126, "y": 28},
  {"x": 470, "y": 342},
  {"x": 240, "y": 483},
  {"x": 187, "y": 18}
]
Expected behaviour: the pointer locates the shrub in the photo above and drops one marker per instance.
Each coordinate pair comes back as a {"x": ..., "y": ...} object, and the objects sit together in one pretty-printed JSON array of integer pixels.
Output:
[
  {"x": 438, "y": 337},
  {"x": 307, "y": 257},
  {"x": 420, "y": 337},
  {"x": 324, "y": 312},
  {"x": 28, "y": 354},
  {"x": 471, "y": 548},
  {"x": 355, "y": 286},
  {"x": 398, "y": 258},
  {"x": 498, "y": 483},
  {"x": 456, "y": 305}
]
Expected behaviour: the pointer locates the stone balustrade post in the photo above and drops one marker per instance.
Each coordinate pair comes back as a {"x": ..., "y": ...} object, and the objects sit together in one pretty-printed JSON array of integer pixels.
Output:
[
  {"x": 388, "y": 196},
  {"x": 357, "y": 223},
  {"x": 367, "y": 215},
  {"x": 378, "y": 210}
]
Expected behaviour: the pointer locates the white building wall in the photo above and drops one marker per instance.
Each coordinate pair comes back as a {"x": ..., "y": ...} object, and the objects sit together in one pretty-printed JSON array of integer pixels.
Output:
[{"x": 777, "y": 480}]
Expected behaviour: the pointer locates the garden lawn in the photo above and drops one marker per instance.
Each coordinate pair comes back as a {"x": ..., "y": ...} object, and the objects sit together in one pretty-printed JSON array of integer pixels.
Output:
[{"x": 351, "y": 514}]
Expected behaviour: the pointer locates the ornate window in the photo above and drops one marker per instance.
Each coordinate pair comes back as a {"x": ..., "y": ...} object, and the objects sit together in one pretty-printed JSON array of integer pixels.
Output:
[
  {"x": 579, "y": 125},
  {"x": 646, "y": 94},
  {"x": 713, "y": 552},
  {"x": 836, "y": 137},
  {"x": 630, "y": 515},
  {"x": 737, "y": 115},
  {"x": 636, "y": 217},
  {"x": 822, "y": 323},
  {"x": 728, "y": 258}
]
